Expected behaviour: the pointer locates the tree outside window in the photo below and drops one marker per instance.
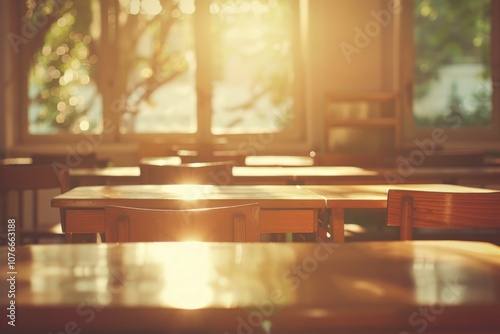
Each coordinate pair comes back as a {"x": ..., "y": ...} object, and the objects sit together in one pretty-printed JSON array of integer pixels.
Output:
[
  {"x": 172, "y": 62},
  {"x": 453, "y": 72}
]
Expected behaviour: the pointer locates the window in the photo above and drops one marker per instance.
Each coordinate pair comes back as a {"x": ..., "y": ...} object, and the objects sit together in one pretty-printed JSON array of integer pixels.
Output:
[
  {"x": 181, "y": 67},
  {"x": 454, "y": 80}
]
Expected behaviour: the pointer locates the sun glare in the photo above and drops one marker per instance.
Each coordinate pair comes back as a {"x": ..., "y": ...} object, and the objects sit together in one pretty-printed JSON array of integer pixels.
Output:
[
  {"x": 187, "y": 6},
  {"x": 188, "y": 278}
]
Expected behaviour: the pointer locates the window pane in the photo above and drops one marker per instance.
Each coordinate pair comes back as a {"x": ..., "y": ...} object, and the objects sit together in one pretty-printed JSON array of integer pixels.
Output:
[
  {"x": 453, "y": 84},
  {"x": 62, "y": 89},
  {"x": 252, "y": 65},
  {"x": 157, "y": 63}
]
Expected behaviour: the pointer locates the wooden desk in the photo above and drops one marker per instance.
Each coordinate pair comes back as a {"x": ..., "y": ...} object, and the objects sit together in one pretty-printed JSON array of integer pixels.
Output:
[
  {"x": 245, "y": 175},
  {"x": 305, "y": 175},
  {"x": 284, "y": 209},
  {"x": 172, "y": 160},
  {"x": 16, "y": 161},
  {"x": 433, "y": 287},
  {"x": 338, "y": 198},
  {"x": 358, "y": 175},
  {"x": 279, "y": 160},
  {"x": 310, "y": 175},
  {"x": 251, "y": 160},
  {"x": 107, "y": 175}
]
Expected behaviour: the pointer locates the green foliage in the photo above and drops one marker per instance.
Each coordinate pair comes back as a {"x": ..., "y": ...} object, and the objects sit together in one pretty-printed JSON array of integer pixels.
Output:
[
  {"x": 446, "y": 32},
  {"x": 449, "y": 32},
  {"x": 61, "y": 65}
]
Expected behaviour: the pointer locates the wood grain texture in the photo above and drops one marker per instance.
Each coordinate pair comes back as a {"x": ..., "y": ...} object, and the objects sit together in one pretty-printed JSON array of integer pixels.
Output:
[
  {"x": 216, "y": 173},
  {"x": 239, "y": 223},
  {"x": 368, "y": 287},
  {"x": 410, "y": 209}
]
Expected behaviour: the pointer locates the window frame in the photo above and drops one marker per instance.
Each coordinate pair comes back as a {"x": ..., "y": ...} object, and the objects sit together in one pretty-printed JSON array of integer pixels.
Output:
[
  {"x": 111, "y": 134},
  {"x": 454, "y": 136}
]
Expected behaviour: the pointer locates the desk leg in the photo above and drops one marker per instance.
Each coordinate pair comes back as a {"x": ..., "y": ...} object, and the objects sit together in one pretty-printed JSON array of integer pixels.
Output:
[
  {"x": 337, "y": 223},
  {"x": 324, "y": 229}
]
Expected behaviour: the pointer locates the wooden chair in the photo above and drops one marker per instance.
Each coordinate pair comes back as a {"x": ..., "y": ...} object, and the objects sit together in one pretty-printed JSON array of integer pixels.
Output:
[
  {"x": 69, "y": 160},
  {"x": 190, "y": 156},
  {"x": 18, "y": 181},
  {"x": 418, "y": 157},
  {"x": 366, "y": 160},
  {"x": 425, "y": 209},
  {"x": 156, "y": 149},
  {"x": 221, "y": 224},
  {"x": 215, "y": 173}
]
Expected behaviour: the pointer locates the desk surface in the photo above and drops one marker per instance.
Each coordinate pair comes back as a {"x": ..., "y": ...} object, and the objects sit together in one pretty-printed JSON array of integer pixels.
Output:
[
  {"x": 278, "y": 160},
  {"x": 358, "y": 175},
  {"x": 370, "y": 287},
  {"x": 251, "y": 160},
  {"x": 375, "y": 196},
  {"x": 274, "y": 196},
  {"x": 16, "y": 161}
]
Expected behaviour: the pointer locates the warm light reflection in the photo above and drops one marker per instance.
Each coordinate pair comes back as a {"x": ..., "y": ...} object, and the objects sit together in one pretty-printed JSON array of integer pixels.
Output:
[
  {"x": 195, "y": 192},
  {"x": 135, "y": 7},
  {"x": 187, "y": 6},
  {"x": 148, "y": 7},
  {"x": 370, "y": 288},
  {"x": 151, "y": 7},
  {"x": 424, "y": 276},
  {"x": 51, "y": 271},
  {"x": 214, "y": 8},
  {"x": 84, "y": 125},
  {"x": 187, "y": 278}
]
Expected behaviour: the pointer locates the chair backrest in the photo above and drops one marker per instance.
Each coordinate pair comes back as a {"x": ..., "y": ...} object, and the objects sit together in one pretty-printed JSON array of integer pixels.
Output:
[
  {"x": 20, "y": 179},
  {"x": 190, "y": 156},
  {"x": 156, "y": 149},
  {"x": 68, "y": 160},
  {"x": 215, "y": 173},
  {"x": 367, "y": 160},
  {"x": 427, "y": 157},
  {"x": 426, "y": 209},
  {"x": 238, "y": 223}
]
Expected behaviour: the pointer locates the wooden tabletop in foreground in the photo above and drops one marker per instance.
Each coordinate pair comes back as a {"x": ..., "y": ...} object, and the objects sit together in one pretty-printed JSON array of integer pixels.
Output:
[{"x": 370, "y": 287}]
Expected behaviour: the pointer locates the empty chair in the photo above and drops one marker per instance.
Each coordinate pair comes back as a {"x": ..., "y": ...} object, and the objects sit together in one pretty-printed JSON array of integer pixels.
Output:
[
  {"x": 429, "y": 157},
  {"x": 69, "y": 160},
  {"x": 366, "y": 160},
  {"x": 190, "y": 156},
  {"x": 156, "y": 149},
  {"x": 215, "y": 173},
  {"x": 238, "y": 223},
  {"x": 20, "y": 188},
  {"x": 425, "y": 209}
]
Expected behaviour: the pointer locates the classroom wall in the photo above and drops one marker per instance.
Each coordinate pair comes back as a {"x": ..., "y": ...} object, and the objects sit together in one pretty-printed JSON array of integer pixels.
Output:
[{"x": 343, "y": 60}]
